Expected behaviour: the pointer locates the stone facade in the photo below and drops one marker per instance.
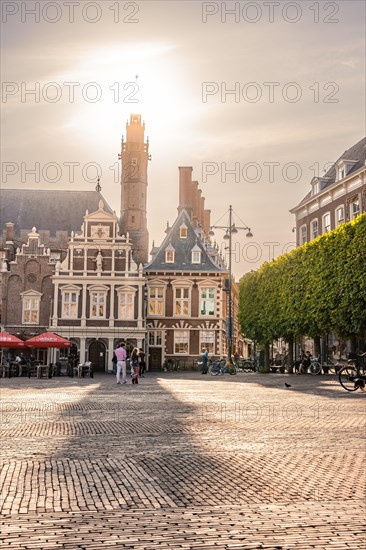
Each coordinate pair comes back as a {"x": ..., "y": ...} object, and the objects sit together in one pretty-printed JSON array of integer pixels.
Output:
[{"x": 99, "y": 291}]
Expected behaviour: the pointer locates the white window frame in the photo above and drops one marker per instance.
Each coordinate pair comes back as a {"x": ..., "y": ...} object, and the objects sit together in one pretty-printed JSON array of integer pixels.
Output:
[
  {"x": 126, "y": 303},
  {"x": 65, "y": 292},
  {"x": 156, "y": 338},
  {"x": 169, "y": 256},
  {"x": 352, "y": 212},
  {"x": 341, "y": 219},
  {"x": 184, "y": 301},
  {"x": 207, "y": 341},
  {"x": 156, "y": 302},
  {"x": 31, "y": 298},
  {"x": 327, "y": 227},
  {"x": 101, "y": 293},
  {"x": 313, "y": 236},
  {"x": 207, "y": 300},
  {"x": 302, "y": 237},
  {"x": 181, "y": 338},
  {"x": 196, "y": 256}
]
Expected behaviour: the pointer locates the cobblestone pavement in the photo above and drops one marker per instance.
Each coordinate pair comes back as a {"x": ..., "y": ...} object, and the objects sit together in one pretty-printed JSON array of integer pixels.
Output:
[{"x": 182, "y": 461}]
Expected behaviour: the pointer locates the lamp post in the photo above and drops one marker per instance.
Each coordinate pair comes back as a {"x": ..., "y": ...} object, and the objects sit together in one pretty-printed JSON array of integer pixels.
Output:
[{"x": 230, "y": 230}]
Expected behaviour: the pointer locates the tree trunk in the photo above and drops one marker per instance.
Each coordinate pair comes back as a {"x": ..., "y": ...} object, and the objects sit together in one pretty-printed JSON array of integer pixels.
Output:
[{"x": 290, "y": 367}]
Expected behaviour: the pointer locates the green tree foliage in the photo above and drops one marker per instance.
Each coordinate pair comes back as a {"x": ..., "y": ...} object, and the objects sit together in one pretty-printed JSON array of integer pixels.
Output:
[{"x": 316, "y": 289}]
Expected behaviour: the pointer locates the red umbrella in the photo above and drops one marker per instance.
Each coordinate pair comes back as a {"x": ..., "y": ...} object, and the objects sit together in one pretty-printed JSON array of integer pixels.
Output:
[
  {"x": 48, "y": 340},
  {"x": 7, "y": 340}
]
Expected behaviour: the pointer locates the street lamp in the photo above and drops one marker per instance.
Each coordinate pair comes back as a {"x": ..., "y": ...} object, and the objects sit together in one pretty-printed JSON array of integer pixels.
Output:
[{"x": 230, "y": 230}]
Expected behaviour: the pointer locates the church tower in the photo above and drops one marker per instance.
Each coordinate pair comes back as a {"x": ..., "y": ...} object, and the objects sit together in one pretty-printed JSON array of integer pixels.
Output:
[{"x": 135, "y": 156}]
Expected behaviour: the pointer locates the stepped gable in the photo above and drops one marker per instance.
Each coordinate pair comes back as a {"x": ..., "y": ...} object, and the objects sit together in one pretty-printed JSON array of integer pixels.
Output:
[
  {"x": 183, "y": 249},
  {"x": 48, "y": 210}
]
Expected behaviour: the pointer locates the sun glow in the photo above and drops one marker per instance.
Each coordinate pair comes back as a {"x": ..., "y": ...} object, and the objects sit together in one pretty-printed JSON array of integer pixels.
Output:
[{"x": 118, "y": 80}]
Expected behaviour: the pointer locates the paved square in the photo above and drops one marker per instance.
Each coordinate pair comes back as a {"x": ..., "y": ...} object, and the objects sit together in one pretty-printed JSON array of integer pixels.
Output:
[{"x": 182, "y": 461}]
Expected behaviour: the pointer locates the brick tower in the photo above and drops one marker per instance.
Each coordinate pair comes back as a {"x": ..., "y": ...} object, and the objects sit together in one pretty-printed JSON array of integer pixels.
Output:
[{"x": 135, "y": 156}]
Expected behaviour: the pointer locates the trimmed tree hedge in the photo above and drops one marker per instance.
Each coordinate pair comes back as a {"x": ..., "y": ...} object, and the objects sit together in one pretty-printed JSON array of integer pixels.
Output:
[{"x": 316, "y": 289}]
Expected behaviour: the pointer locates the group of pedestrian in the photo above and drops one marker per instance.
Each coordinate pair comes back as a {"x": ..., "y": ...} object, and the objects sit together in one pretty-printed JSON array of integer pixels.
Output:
[{"x": 137, "y": 363}]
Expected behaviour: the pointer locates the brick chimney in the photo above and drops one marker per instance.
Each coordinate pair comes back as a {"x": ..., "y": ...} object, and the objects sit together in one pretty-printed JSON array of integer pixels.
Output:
[
  {"x": 206, "y": 221},
  {"x": 9, "y": 232},
  {"x": 185, "y": 189}
]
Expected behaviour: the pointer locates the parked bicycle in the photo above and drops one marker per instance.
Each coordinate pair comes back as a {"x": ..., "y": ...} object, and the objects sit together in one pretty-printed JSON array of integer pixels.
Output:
[
  {"x": 171, "y": 365},
  {"x": 352, "y": 377},
  {"x": 222, "y": 367},
  {"x": 246, "y": 365}
]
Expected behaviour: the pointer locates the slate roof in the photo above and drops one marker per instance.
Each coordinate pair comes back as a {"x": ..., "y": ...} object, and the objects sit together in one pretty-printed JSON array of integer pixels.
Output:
[
  {"x": 47, "y": 210},
  {"x": 356, "y": 152},
  {"x": 183, "y": 250}
]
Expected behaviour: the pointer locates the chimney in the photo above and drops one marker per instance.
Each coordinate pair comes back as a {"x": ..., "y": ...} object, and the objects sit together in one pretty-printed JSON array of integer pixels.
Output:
[
  {"x": 194, "y": 200},
  {"x": 185, "y": 189},
  {"x": 202, "y": 208},
  {"x": 9, "y": 232},
  {"x": 206, "y": 221}
]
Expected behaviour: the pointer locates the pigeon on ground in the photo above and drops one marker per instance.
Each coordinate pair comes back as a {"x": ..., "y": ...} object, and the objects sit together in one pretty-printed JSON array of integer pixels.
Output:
[{"x": 288, "y": 385}]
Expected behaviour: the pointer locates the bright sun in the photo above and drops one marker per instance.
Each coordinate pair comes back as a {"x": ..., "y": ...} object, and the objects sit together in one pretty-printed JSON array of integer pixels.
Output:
[{"x": 114, "y": 82}]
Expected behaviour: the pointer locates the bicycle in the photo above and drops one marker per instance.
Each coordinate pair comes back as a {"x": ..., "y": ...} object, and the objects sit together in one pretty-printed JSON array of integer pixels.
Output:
[
  {"x": 222, "y": 367},
  {"x": 246, "y": 365},
  {"x": 314, "y": 367},
  {"x": 171, "y": 365},
  {"x": 352, "y": 377}
]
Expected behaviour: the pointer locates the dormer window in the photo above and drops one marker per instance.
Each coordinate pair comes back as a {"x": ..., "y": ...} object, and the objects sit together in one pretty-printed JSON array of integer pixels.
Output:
[
  {"x": 169, "y": 254},
  {"x": 196, "y": 255},
  {"x": 344, "y": 166},
  {"x": 315, "y": 187},
  {"x": 183, "y": 231}
]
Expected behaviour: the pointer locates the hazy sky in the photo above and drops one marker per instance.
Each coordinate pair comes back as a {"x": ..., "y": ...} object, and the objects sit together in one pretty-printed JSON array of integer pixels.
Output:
[{"x": 296, "y": 70}]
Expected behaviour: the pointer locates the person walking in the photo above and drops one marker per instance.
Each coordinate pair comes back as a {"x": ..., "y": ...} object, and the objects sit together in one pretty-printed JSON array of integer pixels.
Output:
[
  {"x": 135, "y": 365},
  {"x": 114, "y": 361},
  {"x": 142, "y": 362},
  {"x": 120, "y": 353},
  {"x": 204, "y": 361}
]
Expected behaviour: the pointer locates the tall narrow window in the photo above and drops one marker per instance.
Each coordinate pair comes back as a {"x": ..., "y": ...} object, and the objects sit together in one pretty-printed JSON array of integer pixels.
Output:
[
  {"x": 207, "y": 302},
  {"x": 181, "y": 301},
  {"x": 326, "y": 223},
  {"x": 169, "y": 256},
  {"x": 340, "y": 215},
  {"x": 156, "y": 300},
  {"x": 30, "y": 307},
  {"x": 354, "y": 208},
  {"x": 183, "y": 231},
  {"x": 70, "y": 304},
  {"x": 126, "y": 305},
  {"x": 98, "y": 305},
  {"x": 303, "y": 234},
  {"x": 314, "y": 229}
]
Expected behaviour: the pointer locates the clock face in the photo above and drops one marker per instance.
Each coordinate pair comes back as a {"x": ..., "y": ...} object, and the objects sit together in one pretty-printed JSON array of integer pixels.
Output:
[{"x": 100, "y": 231}]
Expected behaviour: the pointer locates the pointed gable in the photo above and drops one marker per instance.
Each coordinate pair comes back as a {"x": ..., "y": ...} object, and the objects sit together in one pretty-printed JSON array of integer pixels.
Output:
[{"x": 183, "y": 250}]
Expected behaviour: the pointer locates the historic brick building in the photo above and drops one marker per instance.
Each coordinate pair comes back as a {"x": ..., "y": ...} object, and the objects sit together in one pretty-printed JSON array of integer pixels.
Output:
[
  {"x": 26, "y": 287},
  {"x": 187, "y": 300},
  {"x": 337, "y": 197},
  {"x": 81, "y": 275}
]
